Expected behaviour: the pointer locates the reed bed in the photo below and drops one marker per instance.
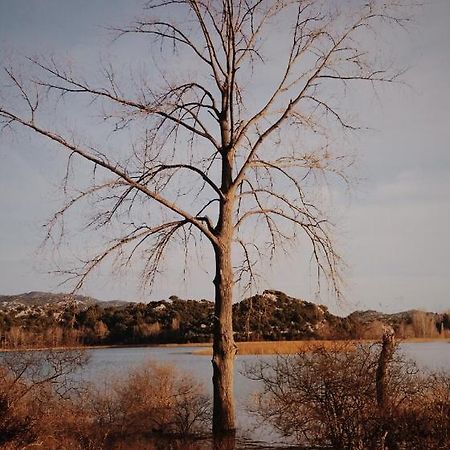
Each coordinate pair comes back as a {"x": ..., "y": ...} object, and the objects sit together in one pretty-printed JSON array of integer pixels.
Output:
[{"x": 284, "y": 347}]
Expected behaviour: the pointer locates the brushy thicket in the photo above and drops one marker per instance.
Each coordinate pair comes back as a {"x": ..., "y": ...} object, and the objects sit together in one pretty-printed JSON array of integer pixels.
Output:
[
  {"x": 328, "y": 399},
  {"x": 325, "y": 398},
  {"x": 42, "y": 404}
]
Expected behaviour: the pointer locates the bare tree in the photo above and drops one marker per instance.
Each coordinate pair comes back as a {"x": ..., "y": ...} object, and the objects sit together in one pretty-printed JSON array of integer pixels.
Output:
[{"x": 232, "y": 140}]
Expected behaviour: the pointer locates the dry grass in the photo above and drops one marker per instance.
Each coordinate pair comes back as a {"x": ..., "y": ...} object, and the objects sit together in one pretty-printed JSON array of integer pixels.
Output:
[
  {"x": 244, "y": 348},
  {"x": 422, "y": 340},
  {"x": 292, "y": 347},
  {"x": 282, "y": 347}
]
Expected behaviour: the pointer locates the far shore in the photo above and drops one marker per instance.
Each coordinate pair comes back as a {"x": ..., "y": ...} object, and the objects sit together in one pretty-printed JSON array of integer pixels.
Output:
[
  {"x": 243, "y": 348},
  {"x": 104, "y": 347},
  {"x": 292, "y": 347}
]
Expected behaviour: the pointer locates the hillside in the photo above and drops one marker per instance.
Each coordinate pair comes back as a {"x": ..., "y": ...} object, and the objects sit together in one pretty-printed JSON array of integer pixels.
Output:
[
  {"x": 38, "y": 319},
  {"x": 40, "y": 301},
  {"x": 47, "y": 299}
]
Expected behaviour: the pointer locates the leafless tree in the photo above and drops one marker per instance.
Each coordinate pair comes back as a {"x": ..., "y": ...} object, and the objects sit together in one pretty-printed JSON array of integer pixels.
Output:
[{"x": 234, "y": 138}]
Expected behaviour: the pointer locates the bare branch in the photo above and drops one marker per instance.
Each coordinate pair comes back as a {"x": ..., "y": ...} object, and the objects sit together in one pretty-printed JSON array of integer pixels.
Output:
[
  {"x": 113, "y": 169},
  {"x": 76, "y": 86}
]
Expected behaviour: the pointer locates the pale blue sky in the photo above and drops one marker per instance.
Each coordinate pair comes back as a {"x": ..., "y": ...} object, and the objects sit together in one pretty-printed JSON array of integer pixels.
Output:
[{"x": 393, "y": 227}]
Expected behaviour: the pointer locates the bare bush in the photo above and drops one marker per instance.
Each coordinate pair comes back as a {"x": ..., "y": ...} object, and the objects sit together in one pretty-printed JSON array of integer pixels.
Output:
[
  {"x": 43, "y": 404},
  {"x": 154, "y": 399},
  {"x": 151, "y": 407},
  {"x": 328, "y": 398},
  {"x": 30, "y": 383}
]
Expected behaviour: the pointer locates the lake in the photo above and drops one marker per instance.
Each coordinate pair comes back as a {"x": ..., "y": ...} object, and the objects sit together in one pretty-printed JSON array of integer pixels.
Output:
[{"x": 108, "y": 362}]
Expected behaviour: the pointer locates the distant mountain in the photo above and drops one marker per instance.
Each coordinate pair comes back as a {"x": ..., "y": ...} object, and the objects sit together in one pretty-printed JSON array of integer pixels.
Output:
[
  {"x": 44, "y": 319},
  {"x": 36, "y": 298},
  {"x": 45, "y": 298}
]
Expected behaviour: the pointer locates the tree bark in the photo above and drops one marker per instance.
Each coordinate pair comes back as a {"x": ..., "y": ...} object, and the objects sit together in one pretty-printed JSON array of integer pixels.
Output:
[{"x": 224, "y": 348}]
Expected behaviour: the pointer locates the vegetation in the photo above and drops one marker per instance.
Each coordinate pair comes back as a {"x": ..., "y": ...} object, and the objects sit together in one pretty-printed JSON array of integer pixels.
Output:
[
  {"x": 33, "y": 386},
  {"x": 43, "y": 403},
  {"x": 329, "y": 398},
  {"x": 52, "y": 321},
  {"x": 281, "y": 347}
]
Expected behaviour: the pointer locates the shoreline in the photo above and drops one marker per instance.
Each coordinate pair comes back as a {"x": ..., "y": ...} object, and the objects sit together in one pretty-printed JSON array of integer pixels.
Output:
[
  {"x": 244, "y": 347},
  {"x": 103, "y": 347},
  {"x": 292, "y": 347}
]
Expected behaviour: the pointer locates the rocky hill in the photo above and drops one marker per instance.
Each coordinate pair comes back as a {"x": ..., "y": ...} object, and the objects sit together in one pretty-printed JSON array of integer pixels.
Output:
[
  {"x": 43, "y": 319},
  {"x": 43, "y": 299},
  {"x": 47, "y": 299},
  {"x": 274, "y": 315}
]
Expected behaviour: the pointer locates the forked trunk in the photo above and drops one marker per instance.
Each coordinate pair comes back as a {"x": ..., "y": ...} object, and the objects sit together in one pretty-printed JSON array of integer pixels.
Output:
[{"x": 224, "y": 348}]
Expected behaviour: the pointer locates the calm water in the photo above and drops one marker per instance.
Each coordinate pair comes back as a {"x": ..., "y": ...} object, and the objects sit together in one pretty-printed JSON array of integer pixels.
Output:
[{"x": 105, "y": 363}]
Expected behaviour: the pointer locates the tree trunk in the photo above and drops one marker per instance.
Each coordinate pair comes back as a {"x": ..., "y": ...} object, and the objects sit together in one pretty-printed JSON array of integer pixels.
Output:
[
  {"x": 224, "y": 348},
  {"x": 383, "y": 400},
  {"x": 387, "y": 351}
]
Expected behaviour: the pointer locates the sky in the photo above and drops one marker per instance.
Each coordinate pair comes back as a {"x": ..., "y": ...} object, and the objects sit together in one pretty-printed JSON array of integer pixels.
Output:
[{"x": 392, "y": 226}]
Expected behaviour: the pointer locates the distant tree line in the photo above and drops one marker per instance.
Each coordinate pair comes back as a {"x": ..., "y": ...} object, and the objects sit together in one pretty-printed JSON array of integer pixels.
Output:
[
  {"x": 270, "y": 316},
  {"x": 137, "y": 323}
]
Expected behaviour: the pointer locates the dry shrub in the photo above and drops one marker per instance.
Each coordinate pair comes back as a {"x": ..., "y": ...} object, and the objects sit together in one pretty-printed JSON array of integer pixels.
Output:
[
  {"x": 153, "y": 407},
  {"x": 152, "y": 400},
  {"x": 422, "y": 419},
  {"x": 43, "y": 405},
  {"x": 16, "y": 424},
  {"x": 327, "y": 398},
  {"x": 32, "y": 386}
]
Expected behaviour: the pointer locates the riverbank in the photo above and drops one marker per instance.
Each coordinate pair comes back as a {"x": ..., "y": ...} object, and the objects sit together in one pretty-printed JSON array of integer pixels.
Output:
[
  {"x": 292, "y": 347},
  {"x": 103, "y": 347},
  {"x": 243, "y": 348}
]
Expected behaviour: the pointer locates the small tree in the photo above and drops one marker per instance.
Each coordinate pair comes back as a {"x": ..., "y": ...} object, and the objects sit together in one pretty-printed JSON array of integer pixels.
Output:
[{"x": 230, "y": 139}]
